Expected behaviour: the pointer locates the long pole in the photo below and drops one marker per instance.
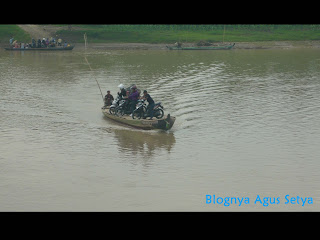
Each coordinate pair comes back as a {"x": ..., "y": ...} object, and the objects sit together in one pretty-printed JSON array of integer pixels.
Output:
[
  {"x": 85, "y": 41},
  {"x": 94, "y": 77},
  {"x": 224, "y": 30}
]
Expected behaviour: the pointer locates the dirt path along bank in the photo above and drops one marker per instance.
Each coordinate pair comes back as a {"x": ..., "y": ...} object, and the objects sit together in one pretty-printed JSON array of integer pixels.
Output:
[{"x": 40, "y": 31}]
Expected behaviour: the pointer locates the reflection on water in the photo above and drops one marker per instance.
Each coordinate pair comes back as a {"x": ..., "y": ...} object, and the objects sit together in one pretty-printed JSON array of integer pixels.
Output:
[
  {"x": 144, "y": 143},
  {"x": 247, "y": 123}
]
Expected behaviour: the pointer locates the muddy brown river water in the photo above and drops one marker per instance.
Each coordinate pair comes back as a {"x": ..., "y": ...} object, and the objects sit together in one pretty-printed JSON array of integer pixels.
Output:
[{"x": 246, "y": 138}]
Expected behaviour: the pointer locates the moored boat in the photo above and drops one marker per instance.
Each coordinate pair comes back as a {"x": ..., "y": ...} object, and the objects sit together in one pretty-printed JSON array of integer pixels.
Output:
[
  {"x": 225, "y": 47},
  {"x": 164, "y": 123},
  {"x": 41, "y": 49}
]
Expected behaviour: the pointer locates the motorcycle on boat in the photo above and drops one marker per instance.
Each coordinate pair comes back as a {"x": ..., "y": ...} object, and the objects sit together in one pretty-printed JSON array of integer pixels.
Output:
[
  {"x": 114, "y": 105},
  {"x": 123, "y": 108},
  {"x": 141, "y": 110}
]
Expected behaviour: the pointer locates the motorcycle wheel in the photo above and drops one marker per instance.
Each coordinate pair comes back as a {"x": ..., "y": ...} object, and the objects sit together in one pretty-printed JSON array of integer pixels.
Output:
[
  {"x": 112, "y": 110},
  {"x": 120, "y": 112},
  {"x": 139, "y": 113},
  {"x": 136, "y": 114},
  {"x": 159, "y": 113}
]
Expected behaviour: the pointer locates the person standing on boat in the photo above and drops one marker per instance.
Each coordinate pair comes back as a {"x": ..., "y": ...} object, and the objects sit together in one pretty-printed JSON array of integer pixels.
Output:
[
  {"x": 108, "y": 99},
  {"x": 146, "y": 96},
  {"x": 11, "y": 41},
  {"x": 133, "y": 98}
]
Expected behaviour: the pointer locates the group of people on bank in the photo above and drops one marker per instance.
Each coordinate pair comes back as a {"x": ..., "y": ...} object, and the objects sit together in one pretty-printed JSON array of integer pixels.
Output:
[
  {"x": 133, "y": 96},
  {"x": 44, "y": 43}
]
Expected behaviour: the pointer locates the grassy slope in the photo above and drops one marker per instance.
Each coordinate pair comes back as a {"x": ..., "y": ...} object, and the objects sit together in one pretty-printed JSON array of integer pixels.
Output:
[
  {"x": 173, "y": 33},
  {"x": 166, "y": 34},
  {"x": 6, "y": 31}
]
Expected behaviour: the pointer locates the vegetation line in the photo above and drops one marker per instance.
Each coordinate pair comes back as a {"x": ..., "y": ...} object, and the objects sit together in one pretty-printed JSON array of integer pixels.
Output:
[{"x": 156, "y": 33}]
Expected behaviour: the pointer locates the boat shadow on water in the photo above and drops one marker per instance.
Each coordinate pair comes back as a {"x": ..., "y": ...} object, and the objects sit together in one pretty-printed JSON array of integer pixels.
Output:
[{"x": 136, "y": 141}]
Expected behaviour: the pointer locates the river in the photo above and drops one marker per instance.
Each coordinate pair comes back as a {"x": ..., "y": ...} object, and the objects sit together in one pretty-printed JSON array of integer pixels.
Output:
[{"x": 247, "y": 128}]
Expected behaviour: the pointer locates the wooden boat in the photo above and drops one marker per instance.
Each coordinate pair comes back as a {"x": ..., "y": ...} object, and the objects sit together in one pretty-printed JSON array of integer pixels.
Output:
[
  {"x": 226, "y": 47},
  {"x": 41, "y": 49},
  {"x": 163, "y": 123}
]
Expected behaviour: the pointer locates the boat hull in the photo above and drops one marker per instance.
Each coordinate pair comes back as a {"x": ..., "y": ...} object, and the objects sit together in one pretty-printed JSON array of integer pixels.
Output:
[
  {"x": 41, "y": 49},
  {"x": 163, "y": 123},
  {"x": 228, "y": 47}
]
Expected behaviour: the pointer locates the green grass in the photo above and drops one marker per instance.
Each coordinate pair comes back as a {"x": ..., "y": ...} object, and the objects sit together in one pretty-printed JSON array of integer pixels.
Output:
[
  {"x": 154, "y": 33},
  {"x": 193, "y": 33},
  {"x": 6, "y": 31}
]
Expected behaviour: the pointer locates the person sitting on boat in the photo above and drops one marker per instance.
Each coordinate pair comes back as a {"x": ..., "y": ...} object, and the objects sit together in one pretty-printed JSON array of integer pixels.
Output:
[
  {"x": 108, "y": 99},
  {"x": 178, "y": 44},
  {"x": 133, "y": 98},
  {"x": 43, "y": 42},
  {"x": 15, "y": 44},
  {"x": 150, "y": 107},
  {"x": 59, "y": 42},
  {"x": 33, "y": 43},
  {"x": 39, "y": 43},
  {"x": 122, "y": 92}
]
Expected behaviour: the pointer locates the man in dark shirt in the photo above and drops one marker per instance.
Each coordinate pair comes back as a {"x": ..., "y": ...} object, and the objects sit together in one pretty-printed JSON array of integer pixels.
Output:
[
  {"x": 150, "y": 107},
  {"x": 108, "y": 99}
]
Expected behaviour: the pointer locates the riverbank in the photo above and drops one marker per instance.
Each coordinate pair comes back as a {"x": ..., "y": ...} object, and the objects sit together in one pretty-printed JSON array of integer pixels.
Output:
[
  {"x": 159, "y": 36},
  {"x": 238, "y": 45},
  {"x": 162, "y": 46}
]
